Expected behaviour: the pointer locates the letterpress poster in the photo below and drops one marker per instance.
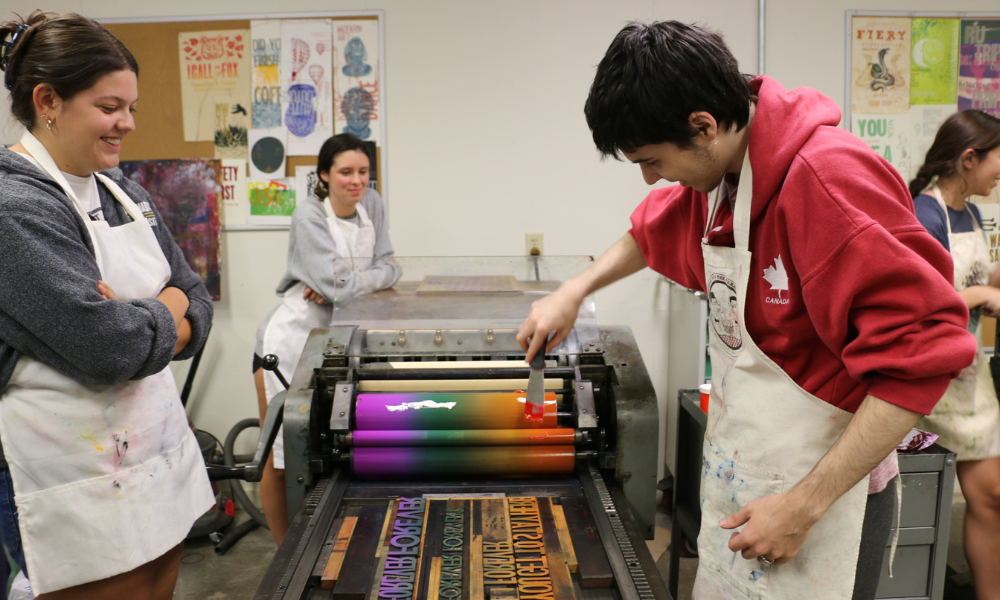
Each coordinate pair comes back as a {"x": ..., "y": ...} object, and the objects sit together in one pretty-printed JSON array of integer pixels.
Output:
[
  {"x": 357, "y": 66},
  {"x": 880, "y": 65},
  {"x": 267, "y": 153},
  {"x": 265, "y": 37},
  {"x": 215, "y": 70},
  {"x": 234, "y": 192},
  {"x": 925, "y": 119},
  {"x": 889, "y": 136},
  {"x": 272, "y": 202},
  {"x": 306, "y": 84},
  {"x": 933, "y": 61},
  {"x": 979, "y": 69}
]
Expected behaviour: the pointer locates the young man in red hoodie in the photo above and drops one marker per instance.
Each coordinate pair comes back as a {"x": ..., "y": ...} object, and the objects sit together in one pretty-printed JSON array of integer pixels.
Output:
[{"x": 834, "y": 323}]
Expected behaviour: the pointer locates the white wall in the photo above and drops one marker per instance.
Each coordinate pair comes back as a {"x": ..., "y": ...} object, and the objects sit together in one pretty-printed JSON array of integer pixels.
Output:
[{"x": 487, "y": 141}]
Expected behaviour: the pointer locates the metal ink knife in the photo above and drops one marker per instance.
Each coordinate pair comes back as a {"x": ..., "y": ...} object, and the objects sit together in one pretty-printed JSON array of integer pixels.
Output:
[{"x": 534, "y": 408}]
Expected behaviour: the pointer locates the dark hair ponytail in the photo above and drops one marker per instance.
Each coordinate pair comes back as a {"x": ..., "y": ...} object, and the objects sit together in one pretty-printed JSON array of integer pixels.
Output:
[
  {"x": 961, "y": 131},
  {"x": 342, "y": 142},
  {"x": 68, "y": 52}
]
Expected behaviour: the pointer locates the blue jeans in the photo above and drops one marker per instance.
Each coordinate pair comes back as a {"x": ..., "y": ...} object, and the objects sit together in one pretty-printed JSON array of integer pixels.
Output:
[{"x": 10, "y": 532}]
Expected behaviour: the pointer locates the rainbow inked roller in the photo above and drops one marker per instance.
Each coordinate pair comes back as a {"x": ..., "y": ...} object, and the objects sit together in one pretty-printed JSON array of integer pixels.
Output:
[
  {"x": 462, "y": 437},
  {"x": 508, "y": 461},
  {"x": 450, "y": 410}
]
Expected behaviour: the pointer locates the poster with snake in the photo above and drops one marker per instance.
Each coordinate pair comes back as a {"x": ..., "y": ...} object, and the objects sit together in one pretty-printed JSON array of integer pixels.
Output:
[{"x": 880, "y": 65}]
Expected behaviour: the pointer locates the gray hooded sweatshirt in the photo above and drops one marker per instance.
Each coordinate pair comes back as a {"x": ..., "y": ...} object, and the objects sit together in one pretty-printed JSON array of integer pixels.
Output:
[{"x": 50, "y": 308}]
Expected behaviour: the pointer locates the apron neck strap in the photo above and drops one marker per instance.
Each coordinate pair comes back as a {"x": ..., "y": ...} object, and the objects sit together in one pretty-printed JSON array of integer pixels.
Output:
[
  {"x": 947, "y": 218},
  {"x": 741, "y": 212},
  {"x": 744, "y": 201},
  {"x": 37, "y": 150}
]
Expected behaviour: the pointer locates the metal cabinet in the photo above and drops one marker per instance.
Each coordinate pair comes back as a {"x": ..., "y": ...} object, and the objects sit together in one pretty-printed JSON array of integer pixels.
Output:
[{"x": 928, "y": 487}]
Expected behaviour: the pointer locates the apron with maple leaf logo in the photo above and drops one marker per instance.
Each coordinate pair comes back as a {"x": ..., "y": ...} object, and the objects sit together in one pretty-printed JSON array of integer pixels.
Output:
[{"x": 751, "y": 451}]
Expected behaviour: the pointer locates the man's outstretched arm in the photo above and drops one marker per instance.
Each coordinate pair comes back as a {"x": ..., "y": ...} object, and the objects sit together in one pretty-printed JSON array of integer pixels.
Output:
[{"x": 557, "y": 312}]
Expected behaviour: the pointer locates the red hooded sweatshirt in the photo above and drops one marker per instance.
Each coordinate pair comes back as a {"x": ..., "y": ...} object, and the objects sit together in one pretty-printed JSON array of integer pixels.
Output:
[{"x": 868, "y": 307}]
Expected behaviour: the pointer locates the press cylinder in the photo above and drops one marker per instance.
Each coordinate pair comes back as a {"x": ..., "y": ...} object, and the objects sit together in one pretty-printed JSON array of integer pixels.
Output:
[
  {"x": 451, "y": 411},
  {"x": 462, "y": 437},
  {"x": 435, "y": 461}
]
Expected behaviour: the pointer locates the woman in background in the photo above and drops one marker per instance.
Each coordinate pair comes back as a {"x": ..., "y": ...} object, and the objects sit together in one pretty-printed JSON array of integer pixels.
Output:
[
  {"x": 338, "y": 249},
  {"x": 102, "y": 477},
  {"x": 964, "y": 160}
]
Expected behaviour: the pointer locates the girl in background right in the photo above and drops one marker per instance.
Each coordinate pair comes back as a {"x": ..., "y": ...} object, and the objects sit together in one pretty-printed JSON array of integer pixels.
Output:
[{"x": 963, "y": 161}]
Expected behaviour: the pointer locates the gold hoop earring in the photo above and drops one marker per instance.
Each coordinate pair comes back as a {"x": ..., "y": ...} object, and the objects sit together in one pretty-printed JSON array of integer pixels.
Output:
[{"x": 48, "y": 122}]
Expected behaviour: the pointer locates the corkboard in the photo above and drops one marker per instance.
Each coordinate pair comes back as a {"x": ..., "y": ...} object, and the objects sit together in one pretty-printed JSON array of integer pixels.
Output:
[{"x": 159, "y": 118}]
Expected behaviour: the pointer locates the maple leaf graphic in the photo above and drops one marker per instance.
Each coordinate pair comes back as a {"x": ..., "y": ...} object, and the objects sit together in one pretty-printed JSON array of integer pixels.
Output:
[{"x": 777, "y": 276}]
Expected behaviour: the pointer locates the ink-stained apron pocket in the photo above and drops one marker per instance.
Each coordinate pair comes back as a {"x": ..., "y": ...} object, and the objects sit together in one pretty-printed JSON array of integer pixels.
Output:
[
  {"x": 727, "y": 486},
  {"x": 99, "y": 527}
]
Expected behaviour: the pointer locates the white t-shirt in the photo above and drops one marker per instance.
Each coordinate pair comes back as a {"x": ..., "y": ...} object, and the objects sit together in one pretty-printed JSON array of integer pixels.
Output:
[{"x": 85, "y": 189}]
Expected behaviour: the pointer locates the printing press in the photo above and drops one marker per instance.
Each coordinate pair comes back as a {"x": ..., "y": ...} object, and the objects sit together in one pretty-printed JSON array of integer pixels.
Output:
[{"x": 417, "y": 474}]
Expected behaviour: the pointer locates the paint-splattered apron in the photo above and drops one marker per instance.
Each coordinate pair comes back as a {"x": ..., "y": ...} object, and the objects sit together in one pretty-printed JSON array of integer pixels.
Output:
[
  {"x": 764, "y": 434},
  {"x": 967, "y": 418},
  {"x": 106, "y": 478},
  {"x": 286, "y": 332}
]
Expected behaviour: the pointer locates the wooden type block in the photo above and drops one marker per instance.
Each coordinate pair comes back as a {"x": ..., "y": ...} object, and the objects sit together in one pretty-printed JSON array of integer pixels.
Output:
[
  {"x": 506, "y": 511},
  {"x": 324, "y": 554},
  {"x": 496, "y": 525},
  {"x": 382, "y": 550},
  {"x": 430, "y": 549},
  {"x": 565, "y": 541},
  {"x": 465, "y": 506},
  {"x": 476, "y": 562},
  {"x": 383, "y": 540},
  {"x": 377, "y": 579},
  {"x": 594, "y": 570},
  {"x": 434, "y": 578},
  {"x": 340, "y": 545},
  {"x": 503, "y": 593},
  {"x": 389, "y": 519},
  {"x": 360, "y": 555},
  {"x": 562, "y": 582}
]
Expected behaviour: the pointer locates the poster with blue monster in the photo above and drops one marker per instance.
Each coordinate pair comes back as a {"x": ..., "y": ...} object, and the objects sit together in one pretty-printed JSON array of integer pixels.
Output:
[
  {"x": 356, "y": 69},
  {"x": 307, "y": 96}
]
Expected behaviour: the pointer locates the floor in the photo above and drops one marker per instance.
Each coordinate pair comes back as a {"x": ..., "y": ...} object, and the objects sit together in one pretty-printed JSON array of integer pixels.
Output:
[{"x": 234, "y": 576}]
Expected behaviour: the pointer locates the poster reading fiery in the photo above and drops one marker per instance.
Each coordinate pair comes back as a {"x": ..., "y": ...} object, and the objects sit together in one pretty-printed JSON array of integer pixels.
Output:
[
  {"x": 934, "y": 61},
  {"x": 215, "y": 69},
  {"x": 979, "y": 66},
  {"x": 880, "y": 65},
  {"x": 187, "y": 194}
]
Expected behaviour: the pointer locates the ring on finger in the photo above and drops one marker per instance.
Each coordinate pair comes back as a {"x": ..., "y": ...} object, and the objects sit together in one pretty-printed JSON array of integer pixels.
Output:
[{"x": 767, "y": 562}]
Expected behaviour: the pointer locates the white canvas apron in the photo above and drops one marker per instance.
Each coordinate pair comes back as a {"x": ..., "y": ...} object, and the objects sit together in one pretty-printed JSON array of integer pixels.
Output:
[
  {"x": 764, "y": 434},
  {"x": 106, "y": 478},
  {"x": 286, "y": 332},
  {"x": 967, "y": 418}
]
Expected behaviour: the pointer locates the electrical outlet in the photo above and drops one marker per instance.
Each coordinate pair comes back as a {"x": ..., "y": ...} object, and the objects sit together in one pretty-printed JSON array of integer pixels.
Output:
[{"x": 534, "y": 244}]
